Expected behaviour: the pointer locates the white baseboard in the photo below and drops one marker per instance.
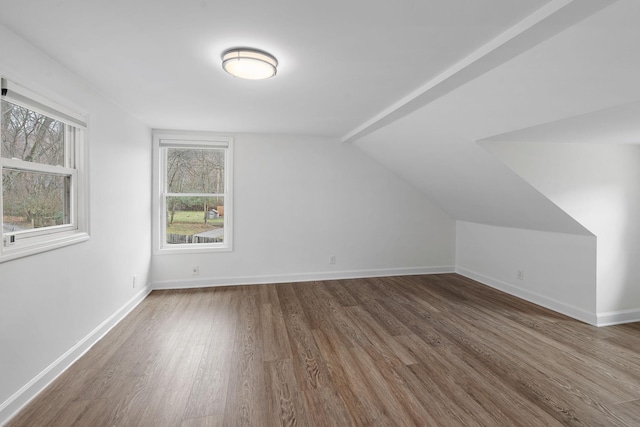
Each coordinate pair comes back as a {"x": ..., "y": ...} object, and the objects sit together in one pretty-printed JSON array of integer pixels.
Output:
[
  {"x": 560, "y": 307},
  {"x": 20, "y": 398},
  {"x": 618, "y": 317},
  {"x": 299, "y": 277},
  {"x": 23, "y": 396}
]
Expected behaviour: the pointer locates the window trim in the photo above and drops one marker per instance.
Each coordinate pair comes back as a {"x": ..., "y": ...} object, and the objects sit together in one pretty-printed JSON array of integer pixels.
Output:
[
  {"x": 189, "y": 139},
  {"x": 23, "y": 243}
]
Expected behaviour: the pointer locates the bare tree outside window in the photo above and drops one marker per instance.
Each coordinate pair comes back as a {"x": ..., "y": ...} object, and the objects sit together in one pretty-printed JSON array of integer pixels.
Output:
[
  {"x": 44, "y": 169},
  {"x": 32, "y": 199},
  {"x": 195, "y": 208}
]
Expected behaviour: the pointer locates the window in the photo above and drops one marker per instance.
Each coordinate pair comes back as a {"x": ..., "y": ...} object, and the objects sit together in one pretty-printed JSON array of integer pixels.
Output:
[
  {"x": 43, "y": 189},
  {"x": 193, "y": 192}
]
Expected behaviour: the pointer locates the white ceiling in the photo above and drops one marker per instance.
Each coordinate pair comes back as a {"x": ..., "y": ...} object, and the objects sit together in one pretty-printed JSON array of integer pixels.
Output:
[
  {"x": 341, "y": 62},
  {"x": 414, "y": 83}
]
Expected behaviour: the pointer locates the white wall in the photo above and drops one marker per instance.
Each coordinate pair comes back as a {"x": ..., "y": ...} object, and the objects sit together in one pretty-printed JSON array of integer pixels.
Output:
[
  {"x": 559, "y": 269},
  {"x": 300, "y": 200},
  {"x": 51, "y": 301},
  {"x": 598, "y": 185}
]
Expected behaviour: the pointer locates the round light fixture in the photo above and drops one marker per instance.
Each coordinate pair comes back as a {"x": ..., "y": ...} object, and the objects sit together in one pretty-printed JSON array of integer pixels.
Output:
[{"x": 249, "y": 64}]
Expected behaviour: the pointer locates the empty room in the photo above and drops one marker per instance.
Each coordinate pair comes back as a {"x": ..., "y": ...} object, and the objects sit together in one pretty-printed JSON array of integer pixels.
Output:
[{"x": 410, "y": 213}]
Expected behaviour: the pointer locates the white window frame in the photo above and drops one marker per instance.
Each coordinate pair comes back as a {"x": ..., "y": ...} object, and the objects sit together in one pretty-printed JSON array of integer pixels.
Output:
[
  {"x": 17, "y": 244},
  {"x": 163, "y": 139}
]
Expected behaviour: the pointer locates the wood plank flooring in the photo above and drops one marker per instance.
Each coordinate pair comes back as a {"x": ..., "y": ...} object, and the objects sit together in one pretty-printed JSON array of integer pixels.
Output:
[{"x": 438, "y": 350}]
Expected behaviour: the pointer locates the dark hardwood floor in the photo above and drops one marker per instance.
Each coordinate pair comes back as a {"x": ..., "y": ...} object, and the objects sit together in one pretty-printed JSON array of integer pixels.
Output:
[{"x": 436, "y": 350}]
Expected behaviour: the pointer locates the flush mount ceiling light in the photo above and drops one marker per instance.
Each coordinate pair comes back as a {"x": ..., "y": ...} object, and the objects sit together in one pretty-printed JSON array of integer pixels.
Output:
[{"x": 249, "y": 64}]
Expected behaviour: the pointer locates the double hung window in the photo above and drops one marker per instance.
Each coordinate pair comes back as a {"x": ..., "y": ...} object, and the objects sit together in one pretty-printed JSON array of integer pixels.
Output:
[
  {"x": 43, "y": 189},
  {"x": 193, "y": 192}
]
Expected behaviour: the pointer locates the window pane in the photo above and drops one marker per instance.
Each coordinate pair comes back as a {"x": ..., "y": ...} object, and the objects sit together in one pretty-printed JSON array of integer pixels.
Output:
[
  {"x": 195, "y": 170},
  {"x": 31, "y": 136},
  {"x": 195, "y": 219},
  {"x": 33, "y": 200}
]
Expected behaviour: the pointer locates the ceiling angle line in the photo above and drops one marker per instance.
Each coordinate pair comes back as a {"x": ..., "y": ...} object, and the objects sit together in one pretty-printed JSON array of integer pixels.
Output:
[{"x": 541, "y": 25}]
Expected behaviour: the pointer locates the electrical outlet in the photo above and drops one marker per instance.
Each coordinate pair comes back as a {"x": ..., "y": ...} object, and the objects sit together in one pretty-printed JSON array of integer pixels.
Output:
[
  {"x": 520, "y": 275},
  {"x": 332, "y": 259},
  {"x": 135, "y": 278},
  {"x": 195, "y": 270}
]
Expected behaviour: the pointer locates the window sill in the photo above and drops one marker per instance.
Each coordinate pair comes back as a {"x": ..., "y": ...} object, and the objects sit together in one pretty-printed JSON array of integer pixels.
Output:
[
  {"x": 192, "y": 250},
  {"x": 16, "y": 251}
]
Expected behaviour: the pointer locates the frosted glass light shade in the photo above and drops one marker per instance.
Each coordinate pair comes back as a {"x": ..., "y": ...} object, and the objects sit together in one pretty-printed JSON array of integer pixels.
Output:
[{"x": 249, "y": 64}]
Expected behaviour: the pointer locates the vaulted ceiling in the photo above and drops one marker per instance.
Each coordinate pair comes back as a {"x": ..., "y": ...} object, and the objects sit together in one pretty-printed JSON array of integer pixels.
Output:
[
  {"x": 577, "y": 86},
  {"x": 413, "y": 83}
]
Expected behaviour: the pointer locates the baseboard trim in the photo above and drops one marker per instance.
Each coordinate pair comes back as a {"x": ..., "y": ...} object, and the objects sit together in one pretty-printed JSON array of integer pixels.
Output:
[
  {"x": 10, "y": 407},
  {"x": 618, "y": 317},
  {"x": 560, "y": 307},
  {"x": 299, "y": 277}
]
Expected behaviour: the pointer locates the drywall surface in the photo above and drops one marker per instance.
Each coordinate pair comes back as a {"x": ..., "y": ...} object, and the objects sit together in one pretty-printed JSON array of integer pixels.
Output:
[
  {"x": 298, "y": 201},
  {"x": 556, "y": 270},
  {"x": 586, "y": 68},
  {"x": 598, "y": 185},
  {"x": 51, "y": 301}
]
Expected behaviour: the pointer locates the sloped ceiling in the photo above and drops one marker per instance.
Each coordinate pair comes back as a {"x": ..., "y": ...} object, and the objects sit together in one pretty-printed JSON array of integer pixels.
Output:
[
  {"x": 415, "y": 84},
  {"x": 578, "y": 83}
]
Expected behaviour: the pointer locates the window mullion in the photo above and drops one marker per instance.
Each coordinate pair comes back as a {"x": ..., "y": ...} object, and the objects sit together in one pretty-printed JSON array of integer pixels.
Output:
[
  {"x": 193, "y": 194},
  {"x": 21, "y": 165}
]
